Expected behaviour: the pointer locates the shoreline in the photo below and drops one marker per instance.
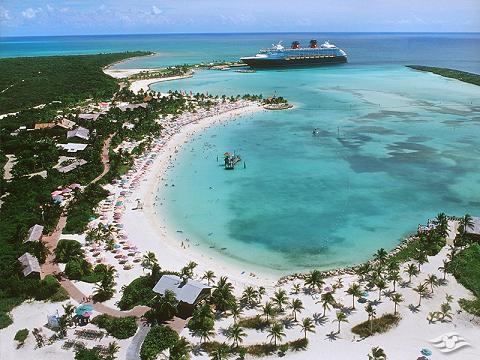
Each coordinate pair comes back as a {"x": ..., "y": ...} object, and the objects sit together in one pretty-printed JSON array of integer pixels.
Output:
[{"x": 148, "y": 229}]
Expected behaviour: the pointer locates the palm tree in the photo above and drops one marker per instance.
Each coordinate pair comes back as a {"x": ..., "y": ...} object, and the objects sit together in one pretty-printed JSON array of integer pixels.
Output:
[
  {"x": 236, "y": 334},
  {"x": 149, "y": 260},
  {"x": 395, "y": 277},
  {"x": 421, "y": 258},
  {"x": 268, "y": 310},
  {"x": 314, "y": 280},
  {"x": 444, "y": 268},
  {"x": 411, "y": 270},
  {"x": 442, "y": 225},
  {"x": 421, "y": 290},
  {"x": 112, "y": 350},
  {"x": 235, "y": 311},
  {"x": 105, "y": 289},
  {"x": 371, "y": 315},
  {"x": 307, "y": 326},
  {"x": 354, "y": 290},
  {"x": 164, "y": 307},
  {"x": 276, "y": 333},
  {"x": 432, "y": 280},
  {"x": 340, "y": 317},
  {"x": 205, "y": 333},
  {"x": 280, "y": 298},
  {"x": 222, "y": 352},
  {"x": 296, "y": 288},
  {"x": 181, "y": 350},
  {"x": 363, "y": 270},
  {"x": 381, "y": 285},
  {"x": 381, "y": 255},
  {"x": 397, "y": 299},
  {"x": 466, "y": 222},
  {"x": 377, "y": 354},
  {"x": 209, "y": 275},
  {"x": 249, "y": 296},
  {"x": 222, "y": 295},
  {"x": 327, "y": 301},
  {"x": 296, "y": 306}
]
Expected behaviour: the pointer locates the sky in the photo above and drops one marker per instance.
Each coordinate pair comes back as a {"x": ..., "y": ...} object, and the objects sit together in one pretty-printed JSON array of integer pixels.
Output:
[{"x": 89, "y": 17}]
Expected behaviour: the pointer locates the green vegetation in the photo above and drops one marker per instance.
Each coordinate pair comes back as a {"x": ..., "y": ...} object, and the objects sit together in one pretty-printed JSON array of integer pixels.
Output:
[
  {"x": 21, "y": 336},
  {"x": 138, "y": 292},
  {"x": 465, "y": 266},
  {"x": 450, "y": 73},
  {"x": 158, "y": 339},
  {"x": 32, "y": 81},
  {"x": 80, "y": 211},
  {"x": 376, "y": 325},
  {"x": 68, "y": 250},
  {"x": 121, "y": 328},
  {"x": 254, "y": 322},
  {"x": 257, "y": 350}
]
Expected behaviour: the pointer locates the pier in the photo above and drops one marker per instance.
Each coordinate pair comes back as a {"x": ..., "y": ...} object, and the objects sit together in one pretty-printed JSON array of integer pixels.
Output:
[{"x": 230, "y": 160}]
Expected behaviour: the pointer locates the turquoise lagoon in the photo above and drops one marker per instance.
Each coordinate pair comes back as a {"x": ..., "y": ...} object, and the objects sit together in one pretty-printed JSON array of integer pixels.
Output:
[{"x": 395, "y": 147}]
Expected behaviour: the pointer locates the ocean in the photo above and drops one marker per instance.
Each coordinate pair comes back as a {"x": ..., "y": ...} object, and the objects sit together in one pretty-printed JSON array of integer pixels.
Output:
[{"x": 394, "y": 146}]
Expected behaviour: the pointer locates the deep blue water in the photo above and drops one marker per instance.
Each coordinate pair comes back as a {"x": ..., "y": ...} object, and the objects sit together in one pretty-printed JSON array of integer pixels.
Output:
[{"x": 456, "y": 50}]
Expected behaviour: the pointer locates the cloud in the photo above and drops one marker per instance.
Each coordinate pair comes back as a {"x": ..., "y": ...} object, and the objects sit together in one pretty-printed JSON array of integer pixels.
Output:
[
  {"x": 4, "y": 14},
  {"x": 156, "y": 10},
  {"x": 30, "y": 13}
]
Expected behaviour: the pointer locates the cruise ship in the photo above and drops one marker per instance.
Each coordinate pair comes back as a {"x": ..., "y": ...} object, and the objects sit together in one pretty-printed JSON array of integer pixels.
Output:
[{"x": 296, "y": 55}]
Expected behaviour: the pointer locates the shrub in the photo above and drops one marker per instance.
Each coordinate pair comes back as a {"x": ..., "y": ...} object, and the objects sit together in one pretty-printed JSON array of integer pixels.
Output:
[
  {"x": 158, "y": 339},
  {"x": 88, "y": 354},
  {"x": 379, "y": 325},
  {"x": 67, "y": 250},
  {"x": 299, "y": 344},
  {"x": 60, "y": 295},
  {"x": 47, "y": 288},
  {"x": 255, "y": 322},
  {"x": 465, "y": 266},
  {"x": 138, "y": 292},
  {"x": 21, "y": 336},
  {"x": 121, "y": 328}
]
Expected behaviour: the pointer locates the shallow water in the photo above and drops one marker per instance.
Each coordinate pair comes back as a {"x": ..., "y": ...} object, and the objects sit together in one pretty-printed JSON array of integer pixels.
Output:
[{"x": 396, "y": 147}]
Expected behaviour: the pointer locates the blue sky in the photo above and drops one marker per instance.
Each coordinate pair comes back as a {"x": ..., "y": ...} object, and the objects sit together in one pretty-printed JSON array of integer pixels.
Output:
[{"x": 69, "y": 17}]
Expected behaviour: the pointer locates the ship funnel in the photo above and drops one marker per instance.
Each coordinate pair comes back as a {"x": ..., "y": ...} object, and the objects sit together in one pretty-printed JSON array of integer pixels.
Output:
[
  {"x": 313, "y": 44},
  {"x": 295, "y": 45}
]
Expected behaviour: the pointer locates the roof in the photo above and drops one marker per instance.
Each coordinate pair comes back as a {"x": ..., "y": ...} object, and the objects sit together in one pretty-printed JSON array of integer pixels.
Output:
[
  {"x": 186, "y": 292},
  {"x": 126, "y": 106},
  {"x": 47, "y": 125},
  {"x": 72, "y": 147},
  {"x": 72, "y": 166},
  {"x": 34, "y": 233},
  {"x": 30, "y": 264},
  {"x": 93, "y": 116},
  {"x": 476, "y": 226},
  {"x": 66, "y": 124},
  {"x": 79, "y": 132}
]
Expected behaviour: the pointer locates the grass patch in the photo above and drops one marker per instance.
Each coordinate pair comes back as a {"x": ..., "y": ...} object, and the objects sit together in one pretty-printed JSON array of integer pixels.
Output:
[
  {"x": 450, "y": 73},
  {"x": 121, "y": 328},
  {"x": 259, "y": 350},
  {"x": 377, "y": 326},
  {"x": 256, "y": 322}
]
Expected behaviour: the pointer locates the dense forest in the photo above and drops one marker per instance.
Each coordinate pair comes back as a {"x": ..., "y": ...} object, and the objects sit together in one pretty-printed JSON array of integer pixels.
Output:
[
  {"x": 31, "y": 81},
  {"x": 450, "y": 73}
]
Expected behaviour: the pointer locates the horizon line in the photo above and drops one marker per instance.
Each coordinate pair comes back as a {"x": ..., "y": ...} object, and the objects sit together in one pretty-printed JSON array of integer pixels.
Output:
[{"x": 247, "y": 32}]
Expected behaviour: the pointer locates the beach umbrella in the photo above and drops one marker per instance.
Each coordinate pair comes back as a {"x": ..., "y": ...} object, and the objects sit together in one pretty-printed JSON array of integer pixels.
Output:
[
  {"x": 67, "y": 190},
  {"x": 58, "y": 198},
  {"x": 75, "y": 186},
  {"x": 56, "y": 192}
]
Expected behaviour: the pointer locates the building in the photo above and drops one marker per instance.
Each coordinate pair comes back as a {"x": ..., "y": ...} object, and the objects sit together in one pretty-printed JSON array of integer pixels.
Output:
[
  {"x": 126, "y": 106},
  {"x": 92, "y": 117},
  {"x": 30, "y": 265},
  {"x": 80, "y": 132},
  {"x": 34, "y": 233},
  {"x": 72, "y": 147},
  {"x": 66, "y": 124},
  {"x": 47, "y": 125},
  {"x": 474, "y": 231},
  {"x": 188, "y": 292}
]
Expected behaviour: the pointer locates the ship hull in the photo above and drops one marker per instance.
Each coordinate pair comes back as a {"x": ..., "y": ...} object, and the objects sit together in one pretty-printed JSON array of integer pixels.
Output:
[{"x": 263, "y": 63}]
